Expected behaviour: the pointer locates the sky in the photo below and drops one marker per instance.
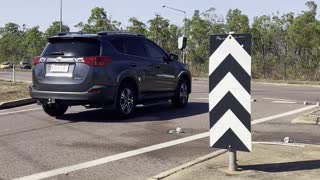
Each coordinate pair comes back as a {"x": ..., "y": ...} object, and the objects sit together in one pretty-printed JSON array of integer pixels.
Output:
[{"x": 44, "y": 12}]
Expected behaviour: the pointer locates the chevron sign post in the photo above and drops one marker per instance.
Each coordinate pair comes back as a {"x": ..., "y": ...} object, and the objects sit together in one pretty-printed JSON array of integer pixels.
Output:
[{"x": 230, "y": 86}]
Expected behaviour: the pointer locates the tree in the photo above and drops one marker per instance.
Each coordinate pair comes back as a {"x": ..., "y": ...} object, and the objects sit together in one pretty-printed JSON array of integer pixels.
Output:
[
  {"x": 99, "y": 21},
  {"x": 216, "y": 23},
  {"x": 10, "y": 43},
  {"x": 237, "y": 22},
  {"x": 174, "y": 33},
  {"x": 10, "y": 29},
  {"x": 54, "y": 29},
  {"x": 312, "y": 8},
  {"x": 159, "y": 31},
  {"x": 137, "y": 26},
  {"x": 199, "y": 29},
  {"x": 262, "y": 40},
  {"x": 34, "y": 42},
  {"x": 303, "y": 36}
]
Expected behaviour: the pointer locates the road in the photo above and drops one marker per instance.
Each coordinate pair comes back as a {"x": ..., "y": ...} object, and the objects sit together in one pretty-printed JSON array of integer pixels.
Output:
[
  {"x": 20, "y": 75},
  {"x": 33, "y": 143}
]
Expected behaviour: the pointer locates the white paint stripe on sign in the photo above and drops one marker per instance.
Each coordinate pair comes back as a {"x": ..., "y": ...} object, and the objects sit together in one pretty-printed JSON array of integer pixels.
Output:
[
  {"x": 128, "y": 154},
  {"x": 20, "y": 111},
  {"x": 230, "y": 46},
  {"x": 230, "y": 121},
  {"x": 230, "y": 84}
]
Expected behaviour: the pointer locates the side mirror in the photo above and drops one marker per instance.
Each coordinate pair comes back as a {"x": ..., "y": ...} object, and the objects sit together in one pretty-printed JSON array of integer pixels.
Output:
[{"x": 174, "y": 57}]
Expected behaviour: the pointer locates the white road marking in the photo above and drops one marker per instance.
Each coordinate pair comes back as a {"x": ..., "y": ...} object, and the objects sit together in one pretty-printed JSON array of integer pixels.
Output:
[
  {"x": 285, "y": 102},
  {"x": 20, "y": 111},
  {"x": 276, "y": 99},
  {"x": 202, "y": 98},
  {"x": 147, "y": 149},
  {"x": 116, "y": 157},
  {"x": 261, "y": 120}
]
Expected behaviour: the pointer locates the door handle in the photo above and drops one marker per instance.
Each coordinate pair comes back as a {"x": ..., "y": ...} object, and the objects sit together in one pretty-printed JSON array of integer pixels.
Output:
[{"x": 133, "y": 65}]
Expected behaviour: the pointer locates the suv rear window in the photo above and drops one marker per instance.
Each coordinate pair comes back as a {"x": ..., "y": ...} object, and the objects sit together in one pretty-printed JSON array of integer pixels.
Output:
[{"x": 79, "y": 47}]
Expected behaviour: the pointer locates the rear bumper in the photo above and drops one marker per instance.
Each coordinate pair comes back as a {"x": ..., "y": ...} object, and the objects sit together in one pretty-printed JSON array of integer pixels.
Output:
[{"x": 97, "y": 96}]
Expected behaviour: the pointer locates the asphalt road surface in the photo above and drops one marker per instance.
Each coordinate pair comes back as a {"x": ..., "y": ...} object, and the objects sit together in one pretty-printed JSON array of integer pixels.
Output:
[
  {"x": 32, "y": 143},
  {"x": 20, "y": 75}
]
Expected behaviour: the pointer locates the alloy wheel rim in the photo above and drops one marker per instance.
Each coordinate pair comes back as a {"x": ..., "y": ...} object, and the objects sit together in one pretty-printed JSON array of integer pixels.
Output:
[
  {"x": 183, "y": 93},
  {"x": 126, "y": 101}
]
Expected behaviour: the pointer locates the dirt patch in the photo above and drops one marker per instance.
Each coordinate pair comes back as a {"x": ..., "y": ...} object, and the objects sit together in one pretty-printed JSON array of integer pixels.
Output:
[
  {"x": 12, "y": 91},
  {"x": 265, "y": 162}
]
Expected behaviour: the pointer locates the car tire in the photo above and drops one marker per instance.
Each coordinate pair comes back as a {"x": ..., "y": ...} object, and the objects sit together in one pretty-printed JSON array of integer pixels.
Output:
[
  {"x": 181, "y": 97},
  {"x": 55, "y": 110},
  {"x": 126, "y": 100}
]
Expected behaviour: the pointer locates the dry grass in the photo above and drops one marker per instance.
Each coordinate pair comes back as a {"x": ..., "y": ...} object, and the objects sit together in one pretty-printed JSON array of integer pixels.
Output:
[
  {"x": 12, "y": 91},
  {"x": 287, "y": 81}
]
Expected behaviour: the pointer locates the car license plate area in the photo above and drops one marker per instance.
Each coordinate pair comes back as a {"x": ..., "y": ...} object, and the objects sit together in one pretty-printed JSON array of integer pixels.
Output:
[{"x": 59, "y": 68}]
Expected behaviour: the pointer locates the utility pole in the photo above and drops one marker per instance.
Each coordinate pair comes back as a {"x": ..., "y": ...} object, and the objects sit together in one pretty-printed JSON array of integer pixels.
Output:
[
  {"x": 157, "y": 27},
  {"x": 60, "y": 15}
]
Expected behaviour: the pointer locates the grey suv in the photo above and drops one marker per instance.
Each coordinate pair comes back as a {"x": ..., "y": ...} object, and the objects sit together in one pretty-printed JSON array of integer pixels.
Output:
[{"x": 114, "y": 70}]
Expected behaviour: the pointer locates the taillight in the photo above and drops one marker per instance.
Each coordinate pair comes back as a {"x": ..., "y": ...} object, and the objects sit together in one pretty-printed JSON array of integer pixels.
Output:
[
  {"x": 97, "y": 61},
  {"x": 37, "y": 60}
]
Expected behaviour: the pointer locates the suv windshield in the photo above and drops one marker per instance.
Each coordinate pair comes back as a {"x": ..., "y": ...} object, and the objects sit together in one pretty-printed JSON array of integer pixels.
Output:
[{"x": 72, "y": 47}]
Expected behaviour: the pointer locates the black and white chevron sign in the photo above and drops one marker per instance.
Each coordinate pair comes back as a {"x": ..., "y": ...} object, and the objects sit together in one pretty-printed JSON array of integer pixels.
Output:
[{"x": 230, "y": 86}]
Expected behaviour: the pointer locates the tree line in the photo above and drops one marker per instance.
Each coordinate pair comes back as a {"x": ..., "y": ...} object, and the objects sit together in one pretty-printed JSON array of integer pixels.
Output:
[{"x": 285, "y": 46}]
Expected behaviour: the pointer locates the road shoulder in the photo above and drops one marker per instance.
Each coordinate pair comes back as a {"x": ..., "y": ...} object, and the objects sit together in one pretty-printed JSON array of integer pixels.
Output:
[{"x": 265, "y": 162}]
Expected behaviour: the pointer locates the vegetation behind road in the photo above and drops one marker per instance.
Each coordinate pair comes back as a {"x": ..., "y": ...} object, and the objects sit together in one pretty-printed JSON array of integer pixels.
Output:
[
  {"x": 12, "y": 91},
  {"x": 285, "y": 45}
]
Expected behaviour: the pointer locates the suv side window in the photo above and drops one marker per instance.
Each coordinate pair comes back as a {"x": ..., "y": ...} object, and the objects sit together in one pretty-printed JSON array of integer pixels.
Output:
[
  {"x": 154, "y": 51},
  {"x": 118, "y": 44},
  {"x": 135, "y": 46}
]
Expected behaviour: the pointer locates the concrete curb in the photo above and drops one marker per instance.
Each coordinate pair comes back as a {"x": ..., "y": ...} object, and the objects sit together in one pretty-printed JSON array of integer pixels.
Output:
[
  {"x": 286, "y": 144},
  {"x": 187, "y": 165},
  {"x": 16, "y": 103}
]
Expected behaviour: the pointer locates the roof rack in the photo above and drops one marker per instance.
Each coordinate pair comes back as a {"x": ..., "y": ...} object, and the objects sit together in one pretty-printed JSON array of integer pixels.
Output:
[
  {"x": 118, "y": 32},
  {"x": 67, "y": 33}
]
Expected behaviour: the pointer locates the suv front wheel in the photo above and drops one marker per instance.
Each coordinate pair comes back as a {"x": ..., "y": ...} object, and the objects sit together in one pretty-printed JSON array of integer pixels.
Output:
[
  {"x": 181, "y": 95},
  {"x": 55, "y": 110}
]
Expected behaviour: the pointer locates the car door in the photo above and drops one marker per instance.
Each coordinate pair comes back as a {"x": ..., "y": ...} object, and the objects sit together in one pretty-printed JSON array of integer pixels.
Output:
[
  {"x": 149, "y": 81},
  {"x": 165, "y": 69}
]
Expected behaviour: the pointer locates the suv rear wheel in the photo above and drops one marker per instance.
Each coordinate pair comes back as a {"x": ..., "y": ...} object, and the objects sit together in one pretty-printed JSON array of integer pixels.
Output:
[
  {"x": 55, "y": 110},
  {"x": 126, "y": 100},
  {"x": 181, "y": 95}
]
